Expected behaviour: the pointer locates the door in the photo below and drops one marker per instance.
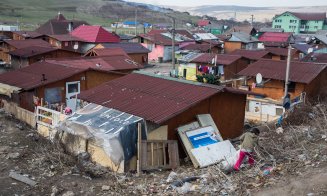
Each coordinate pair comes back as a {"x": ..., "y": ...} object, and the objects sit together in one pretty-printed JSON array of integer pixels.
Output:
[{"x": 72, "y": 90}]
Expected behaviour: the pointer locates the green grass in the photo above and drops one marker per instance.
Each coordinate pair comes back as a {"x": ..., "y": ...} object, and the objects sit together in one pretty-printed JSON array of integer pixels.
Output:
[{"x": 31, "y": 13}]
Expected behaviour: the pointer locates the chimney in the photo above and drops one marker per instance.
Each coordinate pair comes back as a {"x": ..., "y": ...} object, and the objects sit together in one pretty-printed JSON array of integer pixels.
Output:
[{"x": 70, "y": 27}]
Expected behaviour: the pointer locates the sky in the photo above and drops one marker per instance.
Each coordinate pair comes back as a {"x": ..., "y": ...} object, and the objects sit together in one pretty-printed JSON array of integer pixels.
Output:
[{"x": 256, "y": 3}]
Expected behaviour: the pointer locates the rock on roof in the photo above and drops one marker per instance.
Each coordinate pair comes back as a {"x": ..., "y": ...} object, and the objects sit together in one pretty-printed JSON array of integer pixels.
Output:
[
  {"x": 300, "y": 72},
  {"x": 95, "y": 34}
]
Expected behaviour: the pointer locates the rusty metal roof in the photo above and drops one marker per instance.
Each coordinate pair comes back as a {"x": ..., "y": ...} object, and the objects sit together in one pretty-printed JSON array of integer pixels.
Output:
[
  {"x": 250, "y": 54},
  {"x": 270, "y": 69},
  {"x": 27, "y": 43},
  {"x": 102, "y": 63},
  {"x": 31, "y": 76},
  {"x": 153, "y": 98},
  {"x": 31, "y": 51},
  {"x": 310, "y": 16},
  {"x": 128, "y": 47},
  {"x": 223, "y": 59}
]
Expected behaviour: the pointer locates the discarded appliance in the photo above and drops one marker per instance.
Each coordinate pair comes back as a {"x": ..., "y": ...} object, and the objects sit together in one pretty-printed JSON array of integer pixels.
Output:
[
  {"x": 109, "y": 135},
  {"x": 203, "y": 142}
]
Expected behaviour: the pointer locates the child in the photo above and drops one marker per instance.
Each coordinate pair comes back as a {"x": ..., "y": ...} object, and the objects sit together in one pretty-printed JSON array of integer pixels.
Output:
[{"x": 249, "y": 141}]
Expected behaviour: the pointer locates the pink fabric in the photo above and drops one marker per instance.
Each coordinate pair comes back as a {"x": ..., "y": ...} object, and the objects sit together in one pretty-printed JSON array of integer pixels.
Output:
[{"x": 241, "y": 157}]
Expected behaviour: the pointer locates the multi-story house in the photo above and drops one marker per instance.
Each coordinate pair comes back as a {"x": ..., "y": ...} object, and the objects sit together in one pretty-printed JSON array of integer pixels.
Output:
[{"x": 300, "y": 22}]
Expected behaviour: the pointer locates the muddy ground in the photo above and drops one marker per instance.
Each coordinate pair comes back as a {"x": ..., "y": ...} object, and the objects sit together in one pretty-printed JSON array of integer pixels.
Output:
[{"x": 299, "y": 162}]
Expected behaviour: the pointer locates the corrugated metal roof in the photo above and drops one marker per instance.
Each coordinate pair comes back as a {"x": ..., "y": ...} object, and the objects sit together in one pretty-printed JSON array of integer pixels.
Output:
[
  {"x": 250, "y": 54},
  {"x": 310, "y": 16},
  {"x": 129, "y": 48},
  {"x": 152, "y": 98},
  {"x": 204, "y": 47},
  {"x": 104, "y": 63},
  {"x": 316, "y": 57},
  {"x": 31, "y": 76},
  {"x": 31, "y": 51},
  {"x": 223, "y": 59},
  {"x": 66, "y": 37},
  {"x": 28, "y": 34},
  {"x": 299, "y": 71},
  {"x": 27, "y": 43},
  {"x": 275, "y": 37},
  {"x": 203, "y": 22},
  {"x": 108, "y": 52}
]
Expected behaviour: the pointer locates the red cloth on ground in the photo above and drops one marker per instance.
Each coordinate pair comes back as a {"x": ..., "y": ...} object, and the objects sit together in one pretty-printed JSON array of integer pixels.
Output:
[{"x": 241, "y": 157}]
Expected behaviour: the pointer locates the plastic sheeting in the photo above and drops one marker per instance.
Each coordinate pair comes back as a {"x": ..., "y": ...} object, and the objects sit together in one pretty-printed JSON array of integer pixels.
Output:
[{"x": 113, "y": 130}]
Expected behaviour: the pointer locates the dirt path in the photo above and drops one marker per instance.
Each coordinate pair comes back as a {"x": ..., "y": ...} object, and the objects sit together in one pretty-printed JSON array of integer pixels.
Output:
[{"x": 314, "y": 182}]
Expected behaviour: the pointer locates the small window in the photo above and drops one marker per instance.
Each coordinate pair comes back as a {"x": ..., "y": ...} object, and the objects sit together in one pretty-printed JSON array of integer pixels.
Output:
[
  {"x": 291, "y": 87},
  {"x": 73, "y": 88},
  {"x": 279, "y": 111},
  {"x": 316, "y": 27}
]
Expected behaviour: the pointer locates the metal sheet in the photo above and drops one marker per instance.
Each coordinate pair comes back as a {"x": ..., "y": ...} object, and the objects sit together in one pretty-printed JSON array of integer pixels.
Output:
[{"x": 206, "y": 120}]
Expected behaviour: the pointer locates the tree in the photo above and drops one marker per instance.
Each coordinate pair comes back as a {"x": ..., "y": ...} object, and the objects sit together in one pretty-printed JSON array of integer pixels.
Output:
[{"x": 208, "y": 78}]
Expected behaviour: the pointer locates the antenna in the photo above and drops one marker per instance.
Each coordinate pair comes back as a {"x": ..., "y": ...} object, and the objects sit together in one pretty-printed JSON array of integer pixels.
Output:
[{"x": 258, "y": 78}]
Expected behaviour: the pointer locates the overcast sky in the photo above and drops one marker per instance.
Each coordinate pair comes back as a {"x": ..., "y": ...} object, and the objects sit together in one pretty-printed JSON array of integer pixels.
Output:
[{"x": 261, "y": 3}]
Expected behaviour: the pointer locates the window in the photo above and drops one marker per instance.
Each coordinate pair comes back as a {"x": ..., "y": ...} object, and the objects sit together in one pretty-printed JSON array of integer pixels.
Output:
[
  {"x": 73, "y": 88},
  {"x": 150, "y": 47},
  {"x": 316, "y": 21},
  {"x": 316, "y": 27},
  {"x": 291, "y": 87},
  {"x": 278, "y": 26},
  {"x": 293, "y": 21}
]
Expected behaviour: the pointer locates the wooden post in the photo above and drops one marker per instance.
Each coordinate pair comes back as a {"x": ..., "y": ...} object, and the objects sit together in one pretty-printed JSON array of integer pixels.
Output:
[{"x": 139, "y": 148}]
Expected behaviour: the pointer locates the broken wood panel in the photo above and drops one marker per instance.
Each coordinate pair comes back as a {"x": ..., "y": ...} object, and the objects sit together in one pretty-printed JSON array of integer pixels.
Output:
[{"x": 156, "y": 156}]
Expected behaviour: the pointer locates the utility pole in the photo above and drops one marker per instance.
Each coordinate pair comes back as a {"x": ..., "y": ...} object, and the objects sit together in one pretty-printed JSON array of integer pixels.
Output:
[
  {"x": 173, "y": 44},
  {"x": 288, "y": 69},
  {"x": 252, "y": 19},
  {"x": 135, "y": 22}
]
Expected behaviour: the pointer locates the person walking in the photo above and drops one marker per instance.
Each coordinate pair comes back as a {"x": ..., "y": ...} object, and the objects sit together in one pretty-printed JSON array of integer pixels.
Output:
[{"x": 249, "y": 142}]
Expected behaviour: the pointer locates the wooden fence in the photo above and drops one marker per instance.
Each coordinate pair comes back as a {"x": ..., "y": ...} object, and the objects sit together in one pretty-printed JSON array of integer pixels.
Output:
[
  {"x": 20, "y": 113},
  {"x": 159, "y": 154}
]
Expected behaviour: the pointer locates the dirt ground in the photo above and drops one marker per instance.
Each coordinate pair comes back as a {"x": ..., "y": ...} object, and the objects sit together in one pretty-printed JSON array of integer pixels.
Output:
[{"x": 300, "y": 168}]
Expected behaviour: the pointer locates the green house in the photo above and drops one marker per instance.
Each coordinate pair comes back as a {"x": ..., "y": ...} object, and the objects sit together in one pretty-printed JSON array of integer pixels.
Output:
[{"x": 300, "y": 22}]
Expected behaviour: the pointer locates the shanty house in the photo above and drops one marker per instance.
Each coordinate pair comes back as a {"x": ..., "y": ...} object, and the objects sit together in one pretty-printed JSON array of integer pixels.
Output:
[
  {"x": 22, "y": 35},
  {"x": 11, "y": 45},
  {"x": 273, "y": 39},
  {"x": 307, "y": 78},
  {"x": 69, "y": 42},
  {"x": 227, "y": 66},
  {"x": 135, "y": 50},
  {"x": 240, "y": 40},
  {"x": 166, "y": 103},
  {"x": 57, "y": 82},
  {"x": 29, "y": 55}
]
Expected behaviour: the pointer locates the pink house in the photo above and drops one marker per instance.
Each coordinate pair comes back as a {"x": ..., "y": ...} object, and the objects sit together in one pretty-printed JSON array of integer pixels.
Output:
[{"x": 159, "y": 42}]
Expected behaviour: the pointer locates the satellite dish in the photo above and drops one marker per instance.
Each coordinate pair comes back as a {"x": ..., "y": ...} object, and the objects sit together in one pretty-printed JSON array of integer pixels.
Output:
[
  {"x": 258, "y": 78},
  {"x": 310, "y": 50},
  {"x": 75, "y": 46}
]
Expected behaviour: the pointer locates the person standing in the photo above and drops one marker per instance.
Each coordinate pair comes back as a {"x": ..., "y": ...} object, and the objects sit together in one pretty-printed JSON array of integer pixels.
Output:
[{"x": 249, "y": 142}]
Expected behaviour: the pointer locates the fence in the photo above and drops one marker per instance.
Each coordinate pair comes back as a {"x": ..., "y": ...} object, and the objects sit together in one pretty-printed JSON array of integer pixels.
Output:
[
  {"x": 159, "y": 154},
  {"x": 20, "y": 113},
  {"x": 47, "y": 117}
]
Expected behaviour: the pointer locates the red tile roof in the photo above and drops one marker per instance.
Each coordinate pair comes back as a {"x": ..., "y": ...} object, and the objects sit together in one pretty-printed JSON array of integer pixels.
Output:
[
  {"x": 250, "y": 54},
  {"x": 30, "y": 77},
  {"x": 299, "y": 71},
  {"x": 101, "y": 63},
  {"x": 31, "y": 51},
  {"x": 153, "y": 98},
  {"x": 203, "y": 23},
  {"x": 275, "y": 37},
  {"x": 310, "y": 16},
  {"x": 27, "y": 43},
  {"x": 95, "y": 34},
  {"x": 223, "y": 59}
]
